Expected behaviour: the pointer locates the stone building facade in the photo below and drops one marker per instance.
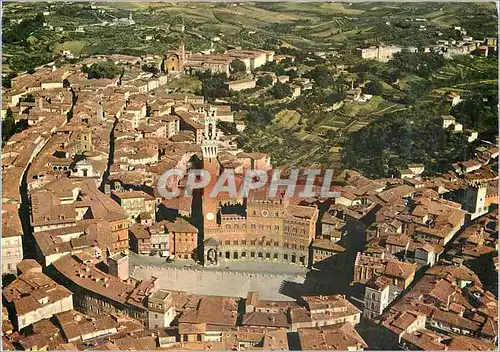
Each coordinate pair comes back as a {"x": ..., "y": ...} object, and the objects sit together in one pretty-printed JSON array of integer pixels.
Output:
[
  {"x": 12, "y": 240},
  {"x": 136, "y": 203},
  {"x": 271, "y": 230},
  {"x": 261, "y": 229}
]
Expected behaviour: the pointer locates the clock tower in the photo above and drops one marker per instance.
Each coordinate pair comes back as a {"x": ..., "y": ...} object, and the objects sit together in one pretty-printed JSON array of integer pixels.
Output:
[{"x": 210, "y": 148}]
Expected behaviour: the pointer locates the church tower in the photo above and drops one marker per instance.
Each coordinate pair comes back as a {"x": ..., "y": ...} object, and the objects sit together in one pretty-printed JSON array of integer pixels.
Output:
[
  {"x": 175, "y": 60},
  {"x": 210, "y": 150},
  {"x": 86, "y": 140}
]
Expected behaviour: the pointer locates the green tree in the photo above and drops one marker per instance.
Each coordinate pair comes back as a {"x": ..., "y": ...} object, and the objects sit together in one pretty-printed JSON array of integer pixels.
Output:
[
  {"x": 8, "y": 126},
  {"x": 227, "y": 127},
  {"x": 321, "y": 75},
  {"x": 421, "y": 64},
  {"x": 265, "y": 81},
  {"x": 281, "y": 90},
  {"x": 260, "y": 116},
  {"x": 238, "y": 66},
  {"x": 6, "y": 81},
  {"x": 150, "y": 68},
  {"x": 374, "y": 88},
  {"x": 105, "y": 69},
  {"x": 292, "y": 74},
  {"x": 29, "y": 98},
  {"x": 21, "y": 31},
  {"x": 213, "y": 86}
]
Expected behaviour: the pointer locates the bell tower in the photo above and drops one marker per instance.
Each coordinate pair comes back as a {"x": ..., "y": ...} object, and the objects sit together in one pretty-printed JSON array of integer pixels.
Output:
[
  {"x": 475, "y": 199},
  {"x": 210, "y": 149}
]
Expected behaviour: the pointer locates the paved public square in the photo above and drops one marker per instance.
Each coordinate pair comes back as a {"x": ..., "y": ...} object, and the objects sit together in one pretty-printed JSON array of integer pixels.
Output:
[{"x": 229, "y": 279}]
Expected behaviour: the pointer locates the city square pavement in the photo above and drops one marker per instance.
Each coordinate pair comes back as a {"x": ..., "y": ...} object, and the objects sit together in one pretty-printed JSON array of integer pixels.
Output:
[{"x": 229, "y": 279}]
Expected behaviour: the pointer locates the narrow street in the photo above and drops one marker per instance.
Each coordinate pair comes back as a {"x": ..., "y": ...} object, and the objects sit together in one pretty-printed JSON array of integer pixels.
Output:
[{"x": 111, "y": 155}]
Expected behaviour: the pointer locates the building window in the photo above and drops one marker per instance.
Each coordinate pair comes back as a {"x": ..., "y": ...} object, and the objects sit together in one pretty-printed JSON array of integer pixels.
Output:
[
  {"x": 275, "y": 256},
  {"x": 185, "y": 338},
  {"x": 252, "y": 226},
  {"x": 243, "y": 254},
  {"x": 268, "y": 243},
  {"x": 235, "y": 242},
  {"x": 276, "y": 227},
  {"x": 261, "y": 227},
  {"x": 276, "y": 244},
  {"x": 285, "y": 256},
  {"x": 227, "y": 243},
  {"x": 252, "y": 254},
  {"x": 268, "y": 255},
  {"x": 244, "y": 242},
  {"x": 260, "y": 254},
  {"x": 198, "y": 337}
]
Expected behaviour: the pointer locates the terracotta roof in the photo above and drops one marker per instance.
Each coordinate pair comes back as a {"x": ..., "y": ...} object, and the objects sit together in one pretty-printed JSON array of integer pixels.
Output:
[
  {"x": 180, "y": 226},
  {"x": 401, "y": 241},
  {"x": 90, "y": 278},
  {"x": 443, "y": 291},
  {"x": 490, "y": 328},
  {"x": 327, "y": 244},
  {"x": 214, "y": 310},
  {"x": 396, "y": 268},
  {"x": 459, "y": 273},
  {"x": 279, "y": 319},
  {"x": 424, "y": 340},
  {"x": 75, "y": 326},
  {"x": 139, "y": 231},
  {"x": 465, "y": 343},
  {"x": 28, "y": 292},
  {"x": 378, "y": 282},
  {"x": 400, "y": 321},
  {"x": 132, "y": 195},
  {"x": 28, "y": 265},
  {"x": 334, "y": 337}
]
